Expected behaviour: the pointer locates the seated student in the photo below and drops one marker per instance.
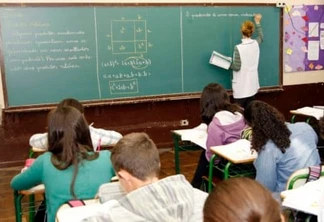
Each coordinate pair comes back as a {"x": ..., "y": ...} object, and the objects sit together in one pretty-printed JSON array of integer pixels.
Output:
[
  {"x": 282, "y": 147},
  {"x": 136, "y": 162},
  {"x": 98, "y": 136},
  {"x": 321, "y": 127},
  {"x": 241, "y": 200},
  {"x": 70, "y": 169},
  {"x": 225, "y": 123}
]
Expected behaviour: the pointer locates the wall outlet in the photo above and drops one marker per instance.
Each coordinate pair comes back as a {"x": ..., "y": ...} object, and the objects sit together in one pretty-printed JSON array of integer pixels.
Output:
[
  {"x": 281, "y": 4},
  {"x": 184, "y": 122}
]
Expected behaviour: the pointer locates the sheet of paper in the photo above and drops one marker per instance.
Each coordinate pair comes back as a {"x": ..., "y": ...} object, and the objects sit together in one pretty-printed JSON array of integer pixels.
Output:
[
  {"x": 307, "y": 198},
  {"x": 313, "y": 50},
  {"x": 197, "y": 135},
  {"x": 238, "y": 150},
  {"x": 313, "y": 29},
  {"x": 322, "y": 39},
  {"x": 310, "y": 111}
]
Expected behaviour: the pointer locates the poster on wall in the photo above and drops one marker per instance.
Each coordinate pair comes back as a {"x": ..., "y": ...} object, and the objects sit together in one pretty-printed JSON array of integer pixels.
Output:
[{"x": 303, "y": 38}]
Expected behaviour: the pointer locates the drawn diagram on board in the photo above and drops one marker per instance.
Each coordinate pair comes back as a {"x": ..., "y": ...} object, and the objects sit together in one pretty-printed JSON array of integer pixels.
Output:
[{"x": 128, "y": 41}]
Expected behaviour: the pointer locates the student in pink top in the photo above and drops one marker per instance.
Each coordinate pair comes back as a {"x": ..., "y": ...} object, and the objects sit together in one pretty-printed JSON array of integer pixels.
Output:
[{"x": 225, "y": 123}]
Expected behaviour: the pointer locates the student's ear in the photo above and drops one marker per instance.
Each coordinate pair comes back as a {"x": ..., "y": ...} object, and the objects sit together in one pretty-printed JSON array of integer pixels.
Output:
[{"x": 123, "y": 174}]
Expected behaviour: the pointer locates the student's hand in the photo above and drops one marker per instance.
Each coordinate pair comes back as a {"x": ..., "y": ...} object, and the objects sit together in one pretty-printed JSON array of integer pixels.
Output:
[{"x": 257, "y": 18}]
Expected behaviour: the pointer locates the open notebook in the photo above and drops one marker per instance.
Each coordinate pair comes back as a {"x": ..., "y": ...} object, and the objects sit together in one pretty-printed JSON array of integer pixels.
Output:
[
  {"x": 197, "y": 135},
  {"x": 238, "y": 151}
]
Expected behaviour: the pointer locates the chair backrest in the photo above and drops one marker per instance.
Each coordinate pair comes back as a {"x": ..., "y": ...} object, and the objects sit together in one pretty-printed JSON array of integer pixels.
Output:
[{"x": 300, "y": 177}]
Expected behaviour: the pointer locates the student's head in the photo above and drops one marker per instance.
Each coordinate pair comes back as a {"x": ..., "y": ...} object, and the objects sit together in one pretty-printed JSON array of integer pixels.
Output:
[
  {"x": 215, "y": 98},
  {"x": 321, "y": 127},
  {"x": 241, "y": 200},
  {"x": 71, "y": 102},
  {"x": 136, "y": 161},
  {"x": 267, "y": 124},
  {"x": 247, "y": 28},
  {"x": 69, "y": 139}
]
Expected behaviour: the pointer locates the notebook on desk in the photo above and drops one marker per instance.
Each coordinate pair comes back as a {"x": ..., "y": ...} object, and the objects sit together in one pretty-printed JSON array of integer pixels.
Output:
[
  {"x": 308, "y": 198},
  {"x": 310, "y": 111},
  {"x": 197, "y": 135},
  {"x": 237, "y": 152}
]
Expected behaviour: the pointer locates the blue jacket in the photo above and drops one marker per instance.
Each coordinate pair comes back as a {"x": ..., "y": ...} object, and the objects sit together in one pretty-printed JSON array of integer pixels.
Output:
[{"x": 273, "y": 168}]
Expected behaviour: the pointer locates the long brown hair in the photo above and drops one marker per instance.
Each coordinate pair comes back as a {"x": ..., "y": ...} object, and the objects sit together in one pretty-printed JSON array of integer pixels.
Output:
[
  {"x": 241, "y": 200},
  {"x": 214, "y": 98},
  {"x": 69, "y": 140},
  {"x": 267, "y": 124}
]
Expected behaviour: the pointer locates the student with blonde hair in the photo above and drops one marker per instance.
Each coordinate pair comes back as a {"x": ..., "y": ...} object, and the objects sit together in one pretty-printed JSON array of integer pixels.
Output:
[
  {"x": 241, "y": 200},
  {"x": 245, "y": 82}
]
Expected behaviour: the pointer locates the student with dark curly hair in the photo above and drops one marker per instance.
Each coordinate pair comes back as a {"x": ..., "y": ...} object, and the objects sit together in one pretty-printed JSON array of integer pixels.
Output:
[
  {"x": 225, "y": 123},
  {"x": 241, "y": 200},
  {"x": 321, "y": 127},
  {"x": 282, "y": 148}
]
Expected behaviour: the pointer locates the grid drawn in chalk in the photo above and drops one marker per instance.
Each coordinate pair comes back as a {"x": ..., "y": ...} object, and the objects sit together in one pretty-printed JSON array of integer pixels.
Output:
[{"x": 128, "y": 36}]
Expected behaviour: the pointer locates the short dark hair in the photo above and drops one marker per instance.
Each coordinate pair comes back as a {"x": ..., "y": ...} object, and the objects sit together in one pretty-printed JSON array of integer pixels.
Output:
[
  {"x": 137, "y": 154},
  {"x": 321, "y": 127},
  {"x": 241, "y": 199}
]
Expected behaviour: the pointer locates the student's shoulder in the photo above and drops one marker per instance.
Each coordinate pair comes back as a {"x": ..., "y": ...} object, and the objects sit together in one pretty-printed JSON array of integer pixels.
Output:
[{"x": 104, "y": 153}]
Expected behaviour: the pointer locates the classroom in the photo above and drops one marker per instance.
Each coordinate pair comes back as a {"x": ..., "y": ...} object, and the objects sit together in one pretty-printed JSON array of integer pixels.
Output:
[{"x": 170, "y": 100}]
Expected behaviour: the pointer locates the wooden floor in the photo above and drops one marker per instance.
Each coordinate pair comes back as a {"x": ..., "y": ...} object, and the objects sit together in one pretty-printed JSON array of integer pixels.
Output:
[{"x": 188, "y": 163}]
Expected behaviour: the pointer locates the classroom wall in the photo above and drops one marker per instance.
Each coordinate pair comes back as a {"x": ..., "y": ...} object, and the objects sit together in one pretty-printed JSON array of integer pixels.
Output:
[{"x": 155, "y": 118}]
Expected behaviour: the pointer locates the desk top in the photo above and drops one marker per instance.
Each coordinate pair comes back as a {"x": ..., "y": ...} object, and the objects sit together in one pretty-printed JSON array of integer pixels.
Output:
[
  {"x": 309, "y": 111},
  {"x": 237, "y": 152},
  {"x": 197, "y": 135}
]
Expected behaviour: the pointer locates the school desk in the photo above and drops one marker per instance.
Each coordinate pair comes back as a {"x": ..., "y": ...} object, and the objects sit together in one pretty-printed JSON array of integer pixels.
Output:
[
  {"x": 188, "y": 139},
  {"x": 308, "y": 113},
  {"x": 18, "y": 196},
  {"x": 238, "y": 160}
]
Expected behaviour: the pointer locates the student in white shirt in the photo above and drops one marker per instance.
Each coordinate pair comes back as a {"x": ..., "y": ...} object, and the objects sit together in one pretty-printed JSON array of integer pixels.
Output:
[{"x": 99, "y": 137}]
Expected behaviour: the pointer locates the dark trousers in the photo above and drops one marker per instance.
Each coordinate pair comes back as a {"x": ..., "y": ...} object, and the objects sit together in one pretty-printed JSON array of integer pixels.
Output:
[
  {"x": 244, "y": 102},
  {"x": 201, "y": 170}
]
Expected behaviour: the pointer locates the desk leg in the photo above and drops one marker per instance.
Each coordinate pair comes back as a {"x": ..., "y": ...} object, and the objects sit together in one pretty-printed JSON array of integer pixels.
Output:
[
  {"x": 226, "y": 170},
  {"x": 176, "y": 152},
  {"x": 210, "y": 173},
  {"x": 18, "y": 208}
]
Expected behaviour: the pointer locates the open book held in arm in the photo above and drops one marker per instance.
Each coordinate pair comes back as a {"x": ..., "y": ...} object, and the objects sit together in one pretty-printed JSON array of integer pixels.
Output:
[{"x": 220, "y": 60}]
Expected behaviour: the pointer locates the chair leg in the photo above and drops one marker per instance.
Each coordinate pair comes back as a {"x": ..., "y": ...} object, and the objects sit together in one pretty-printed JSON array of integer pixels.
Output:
[
  {"x": 32, "y": 207},
  {"x": 18, "y": 209}
]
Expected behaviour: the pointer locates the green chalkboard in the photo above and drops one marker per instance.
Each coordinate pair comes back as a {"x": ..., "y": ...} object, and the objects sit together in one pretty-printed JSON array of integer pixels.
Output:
[{"x": 100, "y": 52}]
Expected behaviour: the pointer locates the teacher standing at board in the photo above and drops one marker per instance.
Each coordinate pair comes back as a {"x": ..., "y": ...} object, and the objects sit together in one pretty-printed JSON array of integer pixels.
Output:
[{"x": 245, "y": 83}]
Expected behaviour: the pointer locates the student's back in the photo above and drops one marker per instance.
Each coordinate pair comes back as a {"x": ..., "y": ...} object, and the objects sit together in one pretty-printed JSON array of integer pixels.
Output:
[
  {"x": 301, "y": 153},
  {"x": 90, "y": 176},
  {"x": 70, "y": 170}
]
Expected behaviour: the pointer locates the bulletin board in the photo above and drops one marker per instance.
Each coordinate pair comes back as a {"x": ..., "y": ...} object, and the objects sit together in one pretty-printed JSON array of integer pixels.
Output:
[{"x": 303, "y": 38}]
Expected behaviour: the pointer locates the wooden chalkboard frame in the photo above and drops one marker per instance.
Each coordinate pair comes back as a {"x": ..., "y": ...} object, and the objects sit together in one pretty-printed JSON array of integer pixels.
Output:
[{"x": 135, "y": 100}]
